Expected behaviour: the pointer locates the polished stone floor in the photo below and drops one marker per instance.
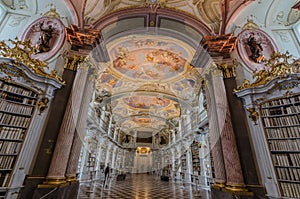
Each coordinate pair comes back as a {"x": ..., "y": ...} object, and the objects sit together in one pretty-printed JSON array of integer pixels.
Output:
[{"x": 141, "y": 186}]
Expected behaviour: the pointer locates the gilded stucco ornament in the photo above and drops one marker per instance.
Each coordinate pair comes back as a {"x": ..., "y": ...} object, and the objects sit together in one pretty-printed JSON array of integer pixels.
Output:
[
  {"x": 253, "y": 115},
  {"x": 279, "y": 65},
  {"x": 227, "y": 69},
  {"x": 42, "y": 105},
  {"x": 21, "y": 52}
]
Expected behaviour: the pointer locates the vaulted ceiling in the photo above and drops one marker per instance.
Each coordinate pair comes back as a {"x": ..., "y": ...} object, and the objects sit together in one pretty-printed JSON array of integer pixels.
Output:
[
  {"x": 151, "y": 43},
  {"x": 150, "y": 79},
  {"x": 214, "y": 13}
]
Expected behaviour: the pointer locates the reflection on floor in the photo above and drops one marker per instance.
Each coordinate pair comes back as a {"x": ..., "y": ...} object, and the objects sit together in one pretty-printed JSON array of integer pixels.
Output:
[{"x": 141, "y": 186}]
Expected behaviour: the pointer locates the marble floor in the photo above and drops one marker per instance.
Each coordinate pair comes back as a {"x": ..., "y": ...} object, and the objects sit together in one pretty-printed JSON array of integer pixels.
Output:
[{"x": 141, "y": 186}]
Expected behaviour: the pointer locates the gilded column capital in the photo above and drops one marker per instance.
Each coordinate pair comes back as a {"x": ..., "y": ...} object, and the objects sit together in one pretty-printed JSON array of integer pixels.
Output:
[
  {"x": 227, "y": 69},
  {"x": 214, "y": 70},
  {"x": 72, "y": 62}
]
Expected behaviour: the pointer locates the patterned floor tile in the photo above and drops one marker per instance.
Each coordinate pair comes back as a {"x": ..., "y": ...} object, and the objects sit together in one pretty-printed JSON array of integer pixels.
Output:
[{"x": 141, "y": 186}]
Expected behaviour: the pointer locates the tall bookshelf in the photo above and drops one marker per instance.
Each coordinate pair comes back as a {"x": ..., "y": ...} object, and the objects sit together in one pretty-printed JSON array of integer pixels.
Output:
[
  {"x": 196, "y": 159},
  {"x": 183, "y": 166},
  {"x": 281, "y": 122},
  {"x": 17, "y": 105}
]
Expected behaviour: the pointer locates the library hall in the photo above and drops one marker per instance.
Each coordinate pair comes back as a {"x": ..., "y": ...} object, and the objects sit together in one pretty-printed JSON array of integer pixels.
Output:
[{"x": 149, "y": 99}]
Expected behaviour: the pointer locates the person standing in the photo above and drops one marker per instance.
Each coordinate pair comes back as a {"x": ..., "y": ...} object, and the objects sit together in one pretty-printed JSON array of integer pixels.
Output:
[{"x": 106, "y": 174}]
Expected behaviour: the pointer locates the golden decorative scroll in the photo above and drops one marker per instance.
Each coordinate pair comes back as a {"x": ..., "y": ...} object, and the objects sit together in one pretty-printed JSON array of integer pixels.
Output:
[
  {"x": 21, "y": 52},
  {"x": 279, "y": 65}
]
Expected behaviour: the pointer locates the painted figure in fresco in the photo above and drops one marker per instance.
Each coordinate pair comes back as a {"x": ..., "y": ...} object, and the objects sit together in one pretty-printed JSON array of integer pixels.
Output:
[
  {"x": 256, "y": 49},
  {"x": 43, "y": 44}
]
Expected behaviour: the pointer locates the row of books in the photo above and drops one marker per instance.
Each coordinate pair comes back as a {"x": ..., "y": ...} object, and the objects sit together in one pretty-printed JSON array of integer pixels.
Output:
[
  {"x": 291, "y": 159},
  {"x": 295, "y": 159},
  {"x": 290, "y": 190},
  {"x": 282, "y": 121},
  {"x": 281, "y": 102},
  {"x": 9, "y": 147},
  {"x": 292, "y": 174},
  {"x": 17, "y": 99},
  {"x": 285, "y": 145},
  {"x": 13, "y": 120},
  {"x": 281, "y": 159},
  {"x": 11, "y": 133},
  {"x": 3, "y": 179},
  {"x": 281, "y": 111},
  {"x": 284, "y": 132},
  {"x": 18, "y": 90},
  {"x": 15, "y": 108},
  {"x": 6, "y": 162}
]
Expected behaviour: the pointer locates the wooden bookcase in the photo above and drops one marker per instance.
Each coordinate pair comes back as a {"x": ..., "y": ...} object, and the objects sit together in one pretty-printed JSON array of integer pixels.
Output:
[
  {"x": 195, "y": 159},
  {"x": 281, "y": 122},
  {"x": 25, "y": 98},
  {"x": 183, "y": 166},
  {"x": 17, "y": 105},
  {"x": 274, "y": 122}
]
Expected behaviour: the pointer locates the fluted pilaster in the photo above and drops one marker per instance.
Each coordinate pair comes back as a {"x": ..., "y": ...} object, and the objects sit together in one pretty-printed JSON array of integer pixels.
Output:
[
  {"x": 79, "y": 132},
  {"x": 215, "y": 138},
  {"x": 59, "y": 162},
  {"x": 234, "y": 175}
]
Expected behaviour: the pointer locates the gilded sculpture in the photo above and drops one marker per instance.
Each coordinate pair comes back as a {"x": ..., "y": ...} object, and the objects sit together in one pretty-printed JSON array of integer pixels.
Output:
[
  {"x": 21, "y": 52},
  {"x": 279, "y": 65}
]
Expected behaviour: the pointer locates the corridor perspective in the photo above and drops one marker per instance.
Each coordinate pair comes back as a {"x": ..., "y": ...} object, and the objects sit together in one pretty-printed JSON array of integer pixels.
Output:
[
  {"x": 141, "y": 186},
  {"x": 170, "y": 99}
]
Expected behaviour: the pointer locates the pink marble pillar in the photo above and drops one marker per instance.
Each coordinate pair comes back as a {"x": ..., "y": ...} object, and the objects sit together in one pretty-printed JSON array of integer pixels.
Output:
[
  {"x": 234, "y": 175},
  {"x": 215, "y": 138},
  {"x": 59, "y": 162},
  {"x": 79, "y": 132}
]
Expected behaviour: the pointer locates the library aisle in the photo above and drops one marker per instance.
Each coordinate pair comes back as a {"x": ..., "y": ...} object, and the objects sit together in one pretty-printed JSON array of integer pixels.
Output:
[{"x": 141, "y": 186}]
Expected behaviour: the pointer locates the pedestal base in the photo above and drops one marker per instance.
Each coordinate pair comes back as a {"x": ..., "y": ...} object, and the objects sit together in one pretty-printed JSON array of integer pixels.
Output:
[
  {"x": 222, "y": 193},
  {"x": 69, "y": 190}
]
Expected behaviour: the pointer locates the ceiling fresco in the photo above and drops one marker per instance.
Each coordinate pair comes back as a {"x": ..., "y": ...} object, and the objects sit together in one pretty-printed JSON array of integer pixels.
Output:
[
  {"x": 146, "y": 102},
  {"x": 149, "y": 57},
  {"x": 205, "y": 10},
  {"x": 149, "y": 79},
  {"x": 143, "y": 68}
]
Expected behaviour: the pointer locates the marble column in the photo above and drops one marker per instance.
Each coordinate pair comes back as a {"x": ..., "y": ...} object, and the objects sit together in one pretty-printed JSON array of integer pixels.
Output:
[
  {"x": 113, "y": 159},
  {"x": 107, "y": 157},
  {"x": 173, "y": 162},
  {"x": 80, "y": 132},
  {"x": 109, "y": 131},
  {"x": 188, "y": 165},
  {"x": 59, "y": 162},
  {"x": 215, "y": 139},
  {"x": 84, "y": 159},
  {"x": 234, "y": 175},
  {"x": 98, "y": 157}
]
